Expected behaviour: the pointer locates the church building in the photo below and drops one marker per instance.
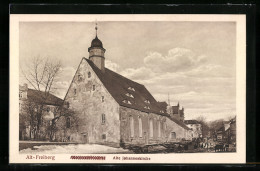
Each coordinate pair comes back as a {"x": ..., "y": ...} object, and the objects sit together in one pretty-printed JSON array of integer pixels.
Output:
[{"x": 113, "y": 109}]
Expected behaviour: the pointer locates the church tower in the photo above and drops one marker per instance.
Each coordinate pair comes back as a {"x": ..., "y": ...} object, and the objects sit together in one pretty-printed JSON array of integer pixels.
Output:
[{"x": 97, "y": 53}]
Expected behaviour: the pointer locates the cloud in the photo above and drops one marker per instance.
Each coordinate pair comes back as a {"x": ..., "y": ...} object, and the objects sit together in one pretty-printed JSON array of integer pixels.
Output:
[
  {"x": 177, "y": 59},
  {"x": 141, "y": 73},
  {"x": 111, "y": 65},
  {"x": 200, "y": 86}
]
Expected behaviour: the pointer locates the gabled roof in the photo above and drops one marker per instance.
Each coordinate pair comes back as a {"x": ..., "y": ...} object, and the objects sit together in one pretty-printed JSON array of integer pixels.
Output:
[
  {"x": 38, "y": 97},
  {"x": 118, "y": 87}
]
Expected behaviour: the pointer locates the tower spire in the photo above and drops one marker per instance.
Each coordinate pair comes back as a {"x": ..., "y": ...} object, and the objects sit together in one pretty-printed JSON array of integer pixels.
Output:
[{"x": 96, "y": 28}]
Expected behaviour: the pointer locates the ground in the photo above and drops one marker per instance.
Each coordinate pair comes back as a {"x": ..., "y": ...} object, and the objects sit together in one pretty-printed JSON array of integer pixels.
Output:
[{"x": 73, "y": 149}]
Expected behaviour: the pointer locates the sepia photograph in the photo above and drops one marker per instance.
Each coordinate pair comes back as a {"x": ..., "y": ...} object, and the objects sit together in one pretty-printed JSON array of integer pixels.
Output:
[{"x": 117, "y": 88}]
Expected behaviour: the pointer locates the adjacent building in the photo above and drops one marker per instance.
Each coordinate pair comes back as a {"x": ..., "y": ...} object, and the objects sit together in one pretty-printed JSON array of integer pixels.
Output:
[
  {"x": 30, "y": 102},
  {"x": 196, "y": 128}
]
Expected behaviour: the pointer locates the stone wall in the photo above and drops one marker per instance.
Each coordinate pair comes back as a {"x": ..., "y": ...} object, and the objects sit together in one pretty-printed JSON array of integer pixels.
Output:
[
  {"x": 88, "y": 97},
  {"x": 166, "y": 126}
]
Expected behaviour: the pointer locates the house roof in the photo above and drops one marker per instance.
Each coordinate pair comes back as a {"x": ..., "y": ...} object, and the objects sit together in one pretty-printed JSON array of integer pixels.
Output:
[
  {"x": 118, "y": 86},
  {"x": 191, "y": 122},
  {"x": 38, "y": 97}
]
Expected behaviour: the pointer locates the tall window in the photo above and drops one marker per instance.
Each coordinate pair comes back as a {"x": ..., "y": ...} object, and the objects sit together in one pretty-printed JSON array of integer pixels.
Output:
[
  {"x": 75, "y": 91},
  {"x": 131, "y": 126},
  {"x": 173, "y": 135},
  {"x": 102, "y": 98},
  {"x": 140, "y": 127},
  {"x": 89, "y": 74},
  {"x": 93, "y": 87},
  {"x": 103, "y": 118},
  {"x": 159, "y": 129},
  {"x": 151, "y": 128},
  {"x": 68, "y": 122}
]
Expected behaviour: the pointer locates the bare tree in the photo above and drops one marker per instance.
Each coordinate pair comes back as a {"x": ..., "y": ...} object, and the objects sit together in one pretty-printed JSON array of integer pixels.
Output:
[
  {"x": 41, "y": 74},
  {"x": 204, "y": 124}
]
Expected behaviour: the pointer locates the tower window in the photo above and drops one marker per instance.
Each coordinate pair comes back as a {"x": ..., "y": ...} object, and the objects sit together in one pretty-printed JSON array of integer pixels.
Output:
[
  {"x": 94, "y": 87},
  {"x": 75, "y": 91},
  {"x": 102, "y": 98},
  {"x": 89, "y": 74},
  {"x": 103, "y": 118}
]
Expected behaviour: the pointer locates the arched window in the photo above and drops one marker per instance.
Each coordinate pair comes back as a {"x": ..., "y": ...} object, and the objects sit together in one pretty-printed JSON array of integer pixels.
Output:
[
  {"x": 68, "y": 122},
  {"x": 89, "y": 74},
  {"x": 151, "y": 127},
  {"x": 131, "y": 126},
  {"x": 140, "y": 127},
  {"x": 159, "y": 129},
  {"x": 173, "y": 135}
]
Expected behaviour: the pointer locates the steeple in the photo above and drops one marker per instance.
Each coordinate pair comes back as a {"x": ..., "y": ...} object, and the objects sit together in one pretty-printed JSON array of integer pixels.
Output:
[
  {"x": 96, "y": 28},
  {"x": 97, "y": 52}
]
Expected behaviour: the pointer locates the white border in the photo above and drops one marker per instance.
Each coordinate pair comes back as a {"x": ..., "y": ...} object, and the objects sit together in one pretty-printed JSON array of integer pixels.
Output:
[{"x": 238, "y": 157}]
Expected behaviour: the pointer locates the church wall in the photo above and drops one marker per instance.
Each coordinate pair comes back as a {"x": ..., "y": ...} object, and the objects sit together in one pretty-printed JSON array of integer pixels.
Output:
[
  {"x": 166, "y": 126},
  {"x": 88, "y": 105}
]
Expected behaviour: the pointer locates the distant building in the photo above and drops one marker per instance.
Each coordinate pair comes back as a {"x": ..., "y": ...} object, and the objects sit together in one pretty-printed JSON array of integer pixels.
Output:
[
  {"x": 196, "y": 128},
  {"x": 227, "y": 132},
  {"x": 176, "y": 112},
  {"x": 29, "y": 102}
]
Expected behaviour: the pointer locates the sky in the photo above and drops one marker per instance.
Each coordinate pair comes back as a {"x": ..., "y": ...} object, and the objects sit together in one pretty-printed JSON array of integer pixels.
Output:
[{"x": 193, "y": 63}]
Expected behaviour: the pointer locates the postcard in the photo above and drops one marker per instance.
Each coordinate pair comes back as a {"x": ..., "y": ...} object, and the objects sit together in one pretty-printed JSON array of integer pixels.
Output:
[{"x": 127, "y": 89}]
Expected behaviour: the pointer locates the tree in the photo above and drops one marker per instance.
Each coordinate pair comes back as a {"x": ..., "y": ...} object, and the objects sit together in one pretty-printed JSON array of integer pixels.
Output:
[
  {"x": 205, "y": 126},
  {"x": 41, "y": 74}
]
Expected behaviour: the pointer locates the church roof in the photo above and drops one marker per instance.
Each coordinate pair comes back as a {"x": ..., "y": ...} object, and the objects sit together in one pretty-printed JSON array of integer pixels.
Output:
[{"x": 129, "y": 93}]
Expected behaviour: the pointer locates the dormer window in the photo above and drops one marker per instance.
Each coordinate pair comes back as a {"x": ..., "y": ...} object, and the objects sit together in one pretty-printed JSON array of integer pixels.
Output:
[
  {"x": 131, "y": 88},
  {"x": 147, "y": 101},
  {"x": 129, "y": 95},
  {"x": 147, "y": 107},
  {"x": 127, "y": 102}
]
